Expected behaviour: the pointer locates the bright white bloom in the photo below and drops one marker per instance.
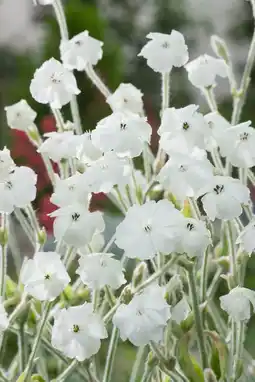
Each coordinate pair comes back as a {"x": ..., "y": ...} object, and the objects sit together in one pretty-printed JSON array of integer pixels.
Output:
[
  {"x": 223, "y": 197},
  {"x": 237, "y": 145},
  {"x": 76, "y": 225},
  {"x": 18, "y": 189},
  {"x": 80, "y": 51},
  {"x": 144, "y": 318},
  {"x": 185, "y": 174},
  {"x": 100, "y": 269},
  {"x": 20, "y": 115},
  {"x": 124, "y": 134},
  {"x": 247, "y": 238},
  {"x": 70, "y": 190},
  {"x": 53, "y": 84},
  {"x": 202, "y": 71},
  {"x": 126, "y": 98},
  {"x": 218, "y": 125},
  {"x": 180, "y": 311},
  {"x": 44, "y": 2},
  {"x": 6, "y": 163},
  {"x": 4, "y": 321},
  {"x": 237, "y": 303},
  {"x": 86, "y": 150},
  {"x": 164, "y": 51},
  {"x": 77, "y": 332},
  {"x": 194, "y": 237},
  {"x": 182, "y": 129},
  {"x": 108, "y": 171},
  {"x": 148, "y": 229},
  {"x": 44, "y": 276},
  {"x": 59, "y": 145}
]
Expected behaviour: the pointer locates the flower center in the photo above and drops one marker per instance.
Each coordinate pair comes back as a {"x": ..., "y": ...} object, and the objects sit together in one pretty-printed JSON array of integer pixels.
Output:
[
  {"x": 55, "y": 78},
  {"x": 190, "y": 226},
  {"x": 47, "y": 276},
  {"x": 75, "y": 216},
  {"x": 244, "y": 136},
  {"x": 183, "y": 168},
  {"x": 8, "y": 185},
  {"x": 147, "y": 228},
  {"x": 185, "y": 126},
  {"x": 218, "y": 189},
  {"x": 76, "y": 328},
  {"x": 71, "y": 187},
  {"x": 123, "y": 126},
  {"x": 165, "y": 45},
  {"x": 78, "y": 43},
  {"x": 139, "y": 312}
]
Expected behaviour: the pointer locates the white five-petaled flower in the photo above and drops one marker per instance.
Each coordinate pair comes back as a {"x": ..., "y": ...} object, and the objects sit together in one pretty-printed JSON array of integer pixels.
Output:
[
  {"x": 77, "y": 332},
  {"x": 126, "y": 98},
  {"x": 237, "y": 145},
  {"x": 20, "y": 116},
  {"x": 60, "y": 145},
  {"x": 106, "y": 172},
  {"x": 86, "y": 150},
  {"x": 144, "y": 318},
  {"x": 80, "y": 51},
  {"x": 4, "y": 321},
  {"x": 185, "y": 174},
  {"x": 223, "y": 197},
  {"x": 6, "y": 163},
  {"x": 164, "y": 51},
  {"x": 148, "y": 229},
  {"x": 75, "y": 225},
  {"x": 182, "y": 129},
  {"x": 44, "y": 276},
  {"x": 123, "y": 134},
  {"x": 247, "y": 238},
  {"x": 53, "y": 84},
  {"x": 237, "y": 303},
  {"x": 202, "y": 71},
  {"x": 218, "y": 125},
  {"x": 17, "y": 189},
  {"x": 100, "y": 269}
]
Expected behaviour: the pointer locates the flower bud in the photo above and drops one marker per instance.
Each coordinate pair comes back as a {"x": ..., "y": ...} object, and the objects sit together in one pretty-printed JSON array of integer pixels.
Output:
[
  {"x": 34, "y": 136},
  {"x": 42, "y": 237},
  {"x": 126, "y": 295},
  {"x": 3, "y": 236},
  {"x": 140, "y": 274},
  {"x": 220, "y": 48},
  {"x": 152, "y": 360},
  {"x": 209, "y": 376}
]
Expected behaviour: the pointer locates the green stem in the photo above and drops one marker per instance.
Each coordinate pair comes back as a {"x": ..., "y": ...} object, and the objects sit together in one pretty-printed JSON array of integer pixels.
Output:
[
  {"x": 3, "y": 271},
  {"x": 121, "y": 200},
  {"x": 109, "y": 296},
  {"x": 22, "y": 348},
  {"x": 96, "y": 80},
  {"x": 68, "y": 371},
  {"x": 111, "y": 355},
  {"x": 210, "y": 98},
  {"x": 239, "y": 349},
  {"x": 251, "y": 176},
  {"x": 197, "y": 318},
  {"x": 232, "y": 250},
  {"x": 25, "y": 225},
  {"x": 137, "y": 364},
  {"x": 204, "y": 276},
  {"x": 194, "y": 208}
]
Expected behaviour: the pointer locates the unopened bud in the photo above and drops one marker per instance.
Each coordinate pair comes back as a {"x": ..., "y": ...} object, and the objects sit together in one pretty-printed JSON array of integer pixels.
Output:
[
  {"x": 42, "y": 237},
  {"x": 37, "y": 378},
  {"x": 152, "y": 360},
  {"x": 220, "y": 48},
  {"x": 126, "y": 295},
  {"x": 209, "y": 376},
  {"x": 3, "y": 236},
  {"x": 140, "y": 274},
  {"x": 238, "y": 367},
  {"x": 224, "y": 263},
  {"x": 34, "y": 135}
]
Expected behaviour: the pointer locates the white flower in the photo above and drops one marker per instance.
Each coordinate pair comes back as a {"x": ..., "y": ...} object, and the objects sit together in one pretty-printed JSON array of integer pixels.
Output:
[
  {"x": 237, "y": 303},
  {"x": 99, "y": 269},
  {"x": 4, "y": 321},
  {"x": 86, "y": 150},
  {"x": 126, "y": 98},
  {"x": 180, "y": 311},
  {"x": 123, "y": 134},
  {"x": 202, "y": 71},
  {"x": 218, "y": 125},
  {"x": 6, "y": 163},
  {"x": 148, "y": 229},
  {"x": 77, "y": 332},
  {"x": 237, "y": 145},
  {"x": 53, "y": 84},
  {"x": 70, "y": 190},
  {"x": 164, "y": 51},
  {"x": 18, "y": 189},
  {"x": 247, "y": 238},
  {"x": 223, "y": 197},
  {"x": 44, "y": 276},
  {"x": 182, "y": 129},
  {"x": 144, "y": 318},
  {"x": 60, "y": 145},
  {"x": 194, "y": 237},
  {"x": 80, "y": 51},
  {"x": 108, "y": 171},
  {"x": 20, "y": 115},
  {"x": 44, "y": 2},
  {"x": 185, "y": 174},
  {"x": 76, "y": 225}
]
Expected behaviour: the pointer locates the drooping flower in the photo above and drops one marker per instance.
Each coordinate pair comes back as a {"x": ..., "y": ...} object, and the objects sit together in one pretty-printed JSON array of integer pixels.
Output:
[
  {"x": 126, "y": 98},
  {"x": 148, "y": 229},
  {"x": 6, "y": 163},
  {"x": 123, "y": 134},
  {"x": 223, "y": 197},
  {"x": 59, "y": 145},
  {"x": 4, "y": 320},
  {"x": 75, "y": 225},
  {"x": 20, "y": 116},
  {"x": 185, "y": 174},
  {"x": 86, "y": 150},
  {"x": 18, "y": 189},
  {"x": 44, "y": 276},
  {"x": 144, "y": 318},
  {"x": 100, "y": 269},
  {"x": 218, "y": 125},
  {"x": 164, "y": 51},
  {"x": 202, "y": 71},
  {"x": 53, "y": 84},
  {"x": 77, "y": 332},
  {"x": 247, "y": 238},
  {"x": 80, "y": 51},
  {"x": 182, "y": 129},
  {"x": 237, "y": 145},
  {"x": 237, "y": 303}
]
